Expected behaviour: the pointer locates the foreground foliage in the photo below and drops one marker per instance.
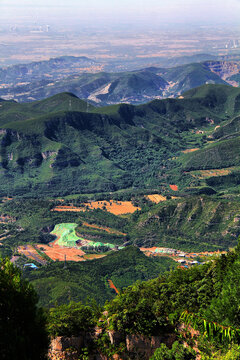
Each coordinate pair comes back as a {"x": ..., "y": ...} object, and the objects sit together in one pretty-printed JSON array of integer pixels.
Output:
[
  {"x": 71, "y": 319},
  {"x": 22, "y": 323},
  {"x": 83, "y": 280},
  {"x": 177, "y": 352}
]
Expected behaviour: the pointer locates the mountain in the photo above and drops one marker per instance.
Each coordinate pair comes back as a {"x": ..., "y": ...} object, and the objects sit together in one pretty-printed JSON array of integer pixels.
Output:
[
  {"x": 63, "y": 66},
  {"x": 62, "y": 145},
  {"x": 133, "y": 87},
  {"x": 55, "y": 68},
  {"x": 104, "y": 88},
  {"x": 183, "y": 78}
]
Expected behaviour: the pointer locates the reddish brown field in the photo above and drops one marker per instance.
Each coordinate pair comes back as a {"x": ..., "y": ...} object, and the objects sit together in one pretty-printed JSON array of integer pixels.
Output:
[
  {"x": 68, "y": 208},
  {"x": 174, "y": 187},
  {"x": 148, "y": 251},
  {"x": 56, "y": 252},
  {"x": 114, "y": 207},
  {"x": 31, "y": 253}
]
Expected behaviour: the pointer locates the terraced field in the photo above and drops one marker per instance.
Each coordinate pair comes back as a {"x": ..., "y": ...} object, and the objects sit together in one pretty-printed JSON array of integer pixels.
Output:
[
  {"x": 56, "y": 252},
  {"x": 66, "y": 237},
  {"x": 114, "y": 207},
  {"x": 156, "y": 198},
  {"x": 31, "y": 253},
  {"x": 203, "y": 174},
  {"x": 108, "y": 230}
]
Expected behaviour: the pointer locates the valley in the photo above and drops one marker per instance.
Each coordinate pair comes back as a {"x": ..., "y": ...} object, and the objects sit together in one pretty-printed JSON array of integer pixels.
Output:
[
  {"x": 104, "y": 202},
  {"x": 120, "y": 180}
]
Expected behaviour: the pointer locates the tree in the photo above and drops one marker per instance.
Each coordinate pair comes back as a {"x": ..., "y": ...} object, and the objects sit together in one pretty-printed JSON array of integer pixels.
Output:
[
  {"x": 177, "y": 352},
  {"x": 22, "y": 323},
  {"x": 71, "y": 319}
]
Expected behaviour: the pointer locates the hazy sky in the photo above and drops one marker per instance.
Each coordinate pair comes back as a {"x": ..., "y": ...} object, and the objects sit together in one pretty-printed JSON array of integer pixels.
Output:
[{"x": 122, "y": 11}]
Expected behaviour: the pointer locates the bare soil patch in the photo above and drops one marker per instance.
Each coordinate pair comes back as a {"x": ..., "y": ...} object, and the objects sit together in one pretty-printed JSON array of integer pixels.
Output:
[
  {"x": 173, "y": 187},
  {"x": 112, "y": 286},
  {"x": 56, "y": 252},
  {"x": 31, "y": 253},
  {"x": 156, "y": 198},
  {"x": 189, "y": 150},
  {"x": 114, "y": 207}
]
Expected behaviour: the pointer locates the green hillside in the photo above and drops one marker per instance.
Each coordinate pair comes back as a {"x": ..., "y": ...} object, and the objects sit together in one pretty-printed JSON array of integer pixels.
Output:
[
  {"x": 80, "y": 281},
  {"x": 61, "y": 145},
  {"x": 216, "y": 156},
  {"x": 203, "y": 298},
  {"x": 190, "y": 76},
  {"x": 194, "y": 224},
  {"x": 134, "y": 87}
]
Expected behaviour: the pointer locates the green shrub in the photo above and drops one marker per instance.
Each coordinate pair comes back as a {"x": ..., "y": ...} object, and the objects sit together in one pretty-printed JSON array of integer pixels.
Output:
[
  {"x": 71, "y": 319},
  {"x": 177, "y": 352}
]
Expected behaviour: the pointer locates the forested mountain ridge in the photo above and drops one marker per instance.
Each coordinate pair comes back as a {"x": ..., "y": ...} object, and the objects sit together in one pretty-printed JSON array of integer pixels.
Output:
[
  {"x": 37, "y": 81},
  {"x": 110, "y": 148}
]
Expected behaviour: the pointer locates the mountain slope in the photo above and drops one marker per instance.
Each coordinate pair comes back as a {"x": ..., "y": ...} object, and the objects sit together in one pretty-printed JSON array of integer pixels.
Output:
[
  {"x": 134, "y": 87},
  {"x": 47, "y": 148},
  {"x": 192, "y": 223},
  {"x": 90, "y": 279},
  {"x": 39, "y": 70},
  {"x": 190, "y": 76}
]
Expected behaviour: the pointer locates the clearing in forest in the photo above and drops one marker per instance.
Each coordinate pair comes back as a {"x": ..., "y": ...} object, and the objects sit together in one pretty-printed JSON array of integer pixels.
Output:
[
  {"x": 114, "y": 207},
  {"x": 173, "y": 187},
  {"x": 66, "y": 236},
  {"x": 31, "y": 253},
  {"x": 156, "y": 198},
  {"x": 61, "y": 208}
]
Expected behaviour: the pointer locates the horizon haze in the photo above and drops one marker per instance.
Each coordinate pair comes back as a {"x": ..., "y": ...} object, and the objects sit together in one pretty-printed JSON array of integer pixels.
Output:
[{"x": 94, "y": 12}]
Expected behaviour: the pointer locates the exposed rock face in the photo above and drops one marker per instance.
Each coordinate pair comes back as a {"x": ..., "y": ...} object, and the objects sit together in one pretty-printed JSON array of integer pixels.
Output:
[
  {"x": 66, "y": 348},
  {"x": 224, "y": 69},
  {"x": 69, "y": 348},
  {"x": 143, "y": 347},
  {"x": 138, "y": 346},
  {"x": 116, "y": 337}
]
